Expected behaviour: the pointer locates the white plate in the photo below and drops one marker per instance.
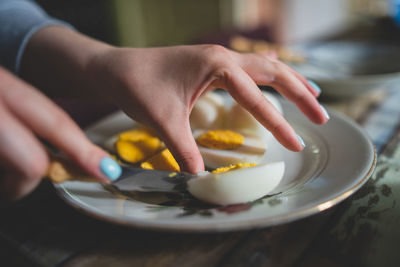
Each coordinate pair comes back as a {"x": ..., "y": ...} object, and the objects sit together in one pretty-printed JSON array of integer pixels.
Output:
[
  {"x": 338, "y": 159},
  {"x": 350, "y": 68}
]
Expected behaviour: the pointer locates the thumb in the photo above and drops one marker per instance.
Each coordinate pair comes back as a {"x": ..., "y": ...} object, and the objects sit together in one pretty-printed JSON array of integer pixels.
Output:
[{"x": 179, "y": 140}]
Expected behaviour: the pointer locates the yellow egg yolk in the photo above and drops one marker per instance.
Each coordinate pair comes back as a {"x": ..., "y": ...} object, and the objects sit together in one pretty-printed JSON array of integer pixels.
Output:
[
  {"x": 233, "y": 167},
  {"x": 137, "y": 134},
  {"x": 137, "y": 145},
  {"x": 161, "y": 161},
  {"x": 221, "y": 139}
]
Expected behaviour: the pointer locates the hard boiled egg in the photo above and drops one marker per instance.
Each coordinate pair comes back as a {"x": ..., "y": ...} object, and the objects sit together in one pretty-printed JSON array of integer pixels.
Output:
[
  {"x": 134, "y": 145},
  {"x": 240, "y": 119},
  {"x": 208, "y": 112},
  {"x": 161, "y": 161},
  {"x": 213, "y": 112},
  {"x": 239, "y": 185},
  {"x": 217, "y": 153}
]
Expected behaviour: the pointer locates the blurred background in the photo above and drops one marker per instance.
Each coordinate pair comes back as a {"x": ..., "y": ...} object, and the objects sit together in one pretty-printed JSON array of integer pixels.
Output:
[
  {"x": 142, "y": 23},
  {"x": 251, "y": 26}
]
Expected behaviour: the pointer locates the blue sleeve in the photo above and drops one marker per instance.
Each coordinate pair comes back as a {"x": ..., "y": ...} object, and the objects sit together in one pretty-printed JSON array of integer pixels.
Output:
[{"x": 19, "y": 20}]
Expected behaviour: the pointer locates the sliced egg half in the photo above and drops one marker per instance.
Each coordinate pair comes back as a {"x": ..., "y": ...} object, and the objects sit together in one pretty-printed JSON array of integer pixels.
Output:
[
  {"x": 251, "y": 150},
  {"x": 237, "y": 186},
  {"x": 208, "y": 112},
  {"x": 211, "y": 113}
]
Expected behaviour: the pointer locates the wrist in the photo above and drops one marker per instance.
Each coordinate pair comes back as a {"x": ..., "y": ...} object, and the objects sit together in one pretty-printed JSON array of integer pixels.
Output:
[
  {"x": 114, "y": 73},
  {"x": 56, "y": 60}
]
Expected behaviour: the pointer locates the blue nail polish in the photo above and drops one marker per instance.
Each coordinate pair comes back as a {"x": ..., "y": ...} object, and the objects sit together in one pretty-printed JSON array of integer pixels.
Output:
[
  {"x": 301, "y": 141},
  {"x": 325, "y": 112},
  {"x": 110, "y": 168},
  {"x": 315, "y": 86}
]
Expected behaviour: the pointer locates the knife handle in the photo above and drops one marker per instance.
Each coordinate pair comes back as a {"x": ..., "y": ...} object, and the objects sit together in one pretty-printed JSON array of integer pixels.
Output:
[{"x": 62, "y": 169}]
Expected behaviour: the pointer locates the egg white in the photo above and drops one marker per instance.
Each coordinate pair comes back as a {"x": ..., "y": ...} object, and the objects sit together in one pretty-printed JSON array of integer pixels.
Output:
[
  {"x": 208, "y": 112},
  {"x": 237, "y": 186}
]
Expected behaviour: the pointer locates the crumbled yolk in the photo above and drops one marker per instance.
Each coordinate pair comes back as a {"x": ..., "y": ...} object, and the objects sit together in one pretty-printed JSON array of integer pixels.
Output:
[
  {"x": 161, "y": 161},
  {"x": 137, "y": 145},
  {"x": 172, "y": 174},
  {"x": 221, "y": 139},
  {"x": 233, "y": 167}
]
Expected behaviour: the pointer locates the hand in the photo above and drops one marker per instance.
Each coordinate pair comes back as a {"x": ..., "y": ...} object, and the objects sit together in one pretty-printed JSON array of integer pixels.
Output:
[
  {"x": 159, "y": 86},
  {"x": 27, "y": 115}
]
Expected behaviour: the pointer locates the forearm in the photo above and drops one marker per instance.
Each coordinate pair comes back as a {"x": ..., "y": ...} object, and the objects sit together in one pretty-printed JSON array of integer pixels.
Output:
[
  {"x": 19, "y": 20},
  {"x": 56, "y": 60}
]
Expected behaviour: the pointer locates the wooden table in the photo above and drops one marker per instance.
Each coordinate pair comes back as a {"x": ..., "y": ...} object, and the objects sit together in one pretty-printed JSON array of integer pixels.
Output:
[{"x": 42, "y": 230}]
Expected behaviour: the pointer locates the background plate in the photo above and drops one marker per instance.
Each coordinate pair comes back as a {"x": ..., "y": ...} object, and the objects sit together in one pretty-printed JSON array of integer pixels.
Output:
[
  {"x": 350, "y": 68},
  {"x": 338, "y": 159}
]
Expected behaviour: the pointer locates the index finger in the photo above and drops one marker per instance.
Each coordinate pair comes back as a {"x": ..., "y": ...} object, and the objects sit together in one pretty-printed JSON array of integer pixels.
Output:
[
  {"x": 286, "y": 81},
  {"x": 244, "y": 90},
  {"x": 50, "y": 122}
]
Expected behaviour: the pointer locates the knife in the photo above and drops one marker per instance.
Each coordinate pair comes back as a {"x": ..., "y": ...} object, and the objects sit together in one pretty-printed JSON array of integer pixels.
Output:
[{"x": 62, "y": 169}]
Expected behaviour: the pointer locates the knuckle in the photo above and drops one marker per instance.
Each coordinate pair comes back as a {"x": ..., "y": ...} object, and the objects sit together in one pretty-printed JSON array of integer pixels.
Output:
[
  {"x": 223, "y": 75},
  {"x": 219, "y": 61},
  {"x": 215, "y": 49},
  {"x": 216, "y": 54},
  {"x": 279, "y": 69},
  {"x": 279, "y": 66}
]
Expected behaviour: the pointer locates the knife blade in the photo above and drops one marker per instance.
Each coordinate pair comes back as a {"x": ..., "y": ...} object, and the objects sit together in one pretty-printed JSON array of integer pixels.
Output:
[
  {"x": 137, "y": 179},
  {"x": 62, "y": 169}
]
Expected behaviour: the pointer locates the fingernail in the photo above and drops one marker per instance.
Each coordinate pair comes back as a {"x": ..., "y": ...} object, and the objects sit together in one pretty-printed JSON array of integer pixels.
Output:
[
  {"x": 110, "y": 168},
  {"x": 325, "y": 112},
  {"x": 314, "y": 85},
  {"x": 301, "y": 141}
]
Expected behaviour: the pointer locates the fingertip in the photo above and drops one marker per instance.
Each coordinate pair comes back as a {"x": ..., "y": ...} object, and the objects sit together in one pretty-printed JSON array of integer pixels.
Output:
[
  {"x": 325, "y": 113},
  {"x": 302, "y": 143},
  {"x": 295, "y": 144},
  {"x": 183, "y": 146},
  {"x": 191, "y": 164},
  {"x": 110, "y": 168},
  {"x": 315, "y": 87},
  {"x": 188, "y": 156},
  {"x": 323, "y": 116},
  {"x": 99, "y": 164},
  {"x": 288, "y": 138}
]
